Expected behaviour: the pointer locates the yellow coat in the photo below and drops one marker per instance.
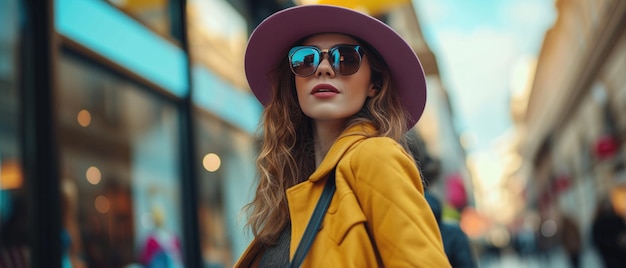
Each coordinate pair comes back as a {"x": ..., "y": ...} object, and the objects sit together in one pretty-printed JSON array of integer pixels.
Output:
[{"x": 378, "y": 216}]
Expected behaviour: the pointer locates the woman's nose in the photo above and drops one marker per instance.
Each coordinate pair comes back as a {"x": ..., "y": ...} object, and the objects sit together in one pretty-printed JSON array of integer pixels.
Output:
[{"x": 325, "y": 67}]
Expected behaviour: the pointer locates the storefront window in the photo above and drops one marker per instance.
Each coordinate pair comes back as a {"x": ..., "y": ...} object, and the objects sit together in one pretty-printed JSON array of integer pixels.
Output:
[
  {"x": 13, "y": 212},
  {"x": 153, "y": 13},
  {"x": 225, "y": 181},
  {"x": 103, "y": 29},
  {"x": 119, "y": 156},
  {"x": 226, "y": 120}
]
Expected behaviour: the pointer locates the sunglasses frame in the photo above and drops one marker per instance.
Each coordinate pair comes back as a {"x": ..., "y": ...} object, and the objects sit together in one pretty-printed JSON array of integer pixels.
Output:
[{"x": 321, "y": 53}]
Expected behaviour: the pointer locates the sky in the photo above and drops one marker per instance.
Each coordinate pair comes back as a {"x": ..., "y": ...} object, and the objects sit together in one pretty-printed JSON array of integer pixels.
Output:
[
  {"x": 481, "y": 46},
  {"x": 478, "y": 43}
]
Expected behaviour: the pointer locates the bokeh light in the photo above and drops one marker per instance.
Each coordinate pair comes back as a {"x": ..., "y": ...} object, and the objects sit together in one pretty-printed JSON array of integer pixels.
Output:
[
  {"x": 211, "y": 162},
  {"x": 93, "y": 175},
  {"x": 102, "y": 204},
  {"x": 84, "y": 118}
]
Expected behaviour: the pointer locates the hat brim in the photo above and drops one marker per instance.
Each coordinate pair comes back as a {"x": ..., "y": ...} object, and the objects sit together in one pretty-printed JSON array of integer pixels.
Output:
[{"x": 273, "y": 38}]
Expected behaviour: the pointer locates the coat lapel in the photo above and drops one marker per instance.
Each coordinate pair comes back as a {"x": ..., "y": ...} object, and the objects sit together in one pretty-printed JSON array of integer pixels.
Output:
[
  {"x": 345, "y": 141},
  {"x": 302, "y": 198}
]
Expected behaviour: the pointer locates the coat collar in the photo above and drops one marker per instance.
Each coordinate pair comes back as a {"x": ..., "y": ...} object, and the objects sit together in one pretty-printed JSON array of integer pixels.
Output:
[{"x": 347, "y": 138}]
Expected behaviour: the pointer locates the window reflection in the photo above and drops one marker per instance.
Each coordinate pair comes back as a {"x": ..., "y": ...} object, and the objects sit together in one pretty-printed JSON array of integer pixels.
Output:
[
  {"x": 124, "y": 165},
  {"x": 217, "y": 36},
  {"x": 226, "y": 117},
  {"x": 225, "y": 173},
  {"x": 212, "y": 142}
]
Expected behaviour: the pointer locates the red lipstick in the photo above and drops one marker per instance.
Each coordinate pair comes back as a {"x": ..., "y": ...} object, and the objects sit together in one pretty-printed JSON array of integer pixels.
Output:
[{"x": 324, "y": 88}]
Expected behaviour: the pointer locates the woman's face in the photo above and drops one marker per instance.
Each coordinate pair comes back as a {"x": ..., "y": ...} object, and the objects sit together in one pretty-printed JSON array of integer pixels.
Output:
[{"x": 326, "y": 96}]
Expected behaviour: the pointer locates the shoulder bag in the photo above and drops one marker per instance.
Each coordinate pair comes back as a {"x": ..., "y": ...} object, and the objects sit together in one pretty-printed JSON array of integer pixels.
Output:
[{"x": 315, "y": 221}]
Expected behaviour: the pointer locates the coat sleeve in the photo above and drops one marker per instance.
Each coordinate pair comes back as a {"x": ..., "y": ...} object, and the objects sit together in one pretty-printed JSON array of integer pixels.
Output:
[{"x": 389, "y": 189}]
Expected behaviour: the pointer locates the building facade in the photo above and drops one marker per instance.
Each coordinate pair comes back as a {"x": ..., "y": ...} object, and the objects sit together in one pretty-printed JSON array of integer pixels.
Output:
[
  {"x": 573, "y": 129},
  {"x": 122, "y": 142},
  {"x": 436, "y": 126}
]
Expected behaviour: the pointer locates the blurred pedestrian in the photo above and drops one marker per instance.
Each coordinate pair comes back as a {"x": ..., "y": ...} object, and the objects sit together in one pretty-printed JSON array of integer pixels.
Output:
[
  {"x": 571, "y": 240},
  {"x": 340, "y": 90},
  {"x": 455, "y": 242},
  {"x": 609, "y": 235},
  {"x": 429, "y": 165}
]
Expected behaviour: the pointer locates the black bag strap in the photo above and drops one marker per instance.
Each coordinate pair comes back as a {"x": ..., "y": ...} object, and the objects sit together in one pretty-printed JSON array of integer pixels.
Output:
[{"x": 314, "y": 222}]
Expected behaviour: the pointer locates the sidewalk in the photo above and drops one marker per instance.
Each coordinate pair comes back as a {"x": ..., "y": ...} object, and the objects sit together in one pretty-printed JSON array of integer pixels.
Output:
[{"x": 554, "y": 259}]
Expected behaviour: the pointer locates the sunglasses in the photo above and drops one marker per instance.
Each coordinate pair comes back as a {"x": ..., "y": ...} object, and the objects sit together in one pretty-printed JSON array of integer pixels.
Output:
[{"x": 344, "y": 59}]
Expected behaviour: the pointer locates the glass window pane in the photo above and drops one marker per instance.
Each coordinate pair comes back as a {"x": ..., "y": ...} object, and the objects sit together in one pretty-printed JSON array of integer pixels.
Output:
[
  {"x": 111, "y": 33},
  {"x": 225, "y": 178},
  {"x": 119, "y": 151},
  {"x": 13, "y": 213},
  {"x": 226, "y": 119}
]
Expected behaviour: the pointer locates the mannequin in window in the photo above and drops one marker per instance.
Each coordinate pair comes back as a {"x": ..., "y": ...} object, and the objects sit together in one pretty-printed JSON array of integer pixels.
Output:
[{"x": 162, "y": 247}]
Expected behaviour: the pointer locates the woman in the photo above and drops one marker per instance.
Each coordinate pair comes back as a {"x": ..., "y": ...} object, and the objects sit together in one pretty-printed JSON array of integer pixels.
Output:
[{"x": 340, "y": 90}]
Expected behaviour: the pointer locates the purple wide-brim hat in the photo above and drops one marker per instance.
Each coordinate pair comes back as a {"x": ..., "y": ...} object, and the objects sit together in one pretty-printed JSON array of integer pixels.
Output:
[{"x": 272, "y": 39}]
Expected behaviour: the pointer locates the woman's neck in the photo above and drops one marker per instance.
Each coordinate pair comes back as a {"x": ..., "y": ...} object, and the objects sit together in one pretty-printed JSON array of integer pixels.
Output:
[{"x": 324, "y": 135}]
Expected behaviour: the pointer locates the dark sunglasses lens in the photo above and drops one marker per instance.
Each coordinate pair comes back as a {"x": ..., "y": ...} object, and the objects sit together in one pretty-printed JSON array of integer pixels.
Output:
[
  {"x": 304, "y": 61},
  {"x": 346, "y": 60}
]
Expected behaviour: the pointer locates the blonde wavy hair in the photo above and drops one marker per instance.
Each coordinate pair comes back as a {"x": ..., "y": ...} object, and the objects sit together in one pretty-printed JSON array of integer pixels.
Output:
[{"x": 287, "y": 158}]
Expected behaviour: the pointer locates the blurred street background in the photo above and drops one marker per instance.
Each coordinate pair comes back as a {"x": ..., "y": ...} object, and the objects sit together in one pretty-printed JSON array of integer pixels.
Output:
[{"x": 128, "y": 133}]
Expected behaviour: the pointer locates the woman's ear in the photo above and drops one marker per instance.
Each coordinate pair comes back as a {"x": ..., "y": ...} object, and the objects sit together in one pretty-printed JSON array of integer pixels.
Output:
[{"x": 372, "y": 91}]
